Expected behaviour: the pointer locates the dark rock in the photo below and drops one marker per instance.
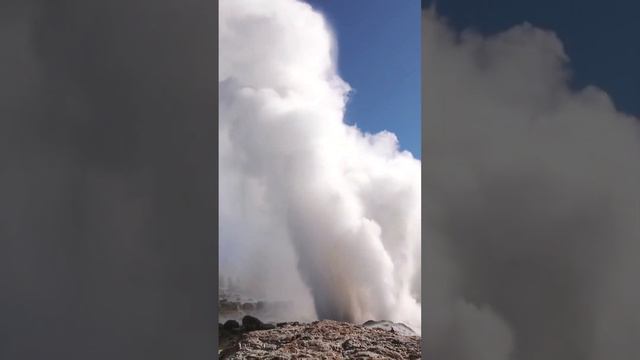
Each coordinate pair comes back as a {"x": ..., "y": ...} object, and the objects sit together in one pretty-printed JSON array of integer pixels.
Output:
[
  {"x": 347, "y": 345},
  {"x": 248, "y": 307},
  {"x": 250, "y": 323},
  {"x": 231, "y": 325},
  {"x": 268, "y": 326}
]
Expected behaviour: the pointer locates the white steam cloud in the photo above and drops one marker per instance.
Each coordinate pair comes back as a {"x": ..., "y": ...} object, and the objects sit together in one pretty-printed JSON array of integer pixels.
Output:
[
  {"x": 532, "y": 203},
  {"x": 311, "y": 209}
]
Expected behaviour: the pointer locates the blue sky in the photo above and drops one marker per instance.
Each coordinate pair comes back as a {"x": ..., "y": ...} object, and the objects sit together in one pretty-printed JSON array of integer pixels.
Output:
[
  {"x": 379, "y": 56},
  {"x": 600, "y": 37}
]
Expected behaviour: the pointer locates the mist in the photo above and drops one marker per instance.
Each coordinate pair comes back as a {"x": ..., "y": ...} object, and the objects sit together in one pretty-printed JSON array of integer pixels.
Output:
[
  {"x": 312, "y": 210},
  {"x": 531, "y": 203}
]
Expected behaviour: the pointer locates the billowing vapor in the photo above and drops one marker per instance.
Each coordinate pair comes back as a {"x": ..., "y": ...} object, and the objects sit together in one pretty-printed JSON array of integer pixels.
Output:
[
  {"x": 532, "y": 203},
  {"x": 311, "y": 209}
]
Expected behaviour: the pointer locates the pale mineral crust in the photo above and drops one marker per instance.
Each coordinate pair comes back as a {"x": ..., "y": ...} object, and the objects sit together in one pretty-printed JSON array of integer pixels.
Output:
[{"x": 324, "y": 339}]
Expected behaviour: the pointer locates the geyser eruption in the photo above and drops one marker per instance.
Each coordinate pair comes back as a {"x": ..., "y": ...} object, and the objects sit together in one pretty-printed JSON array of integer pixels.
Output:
[
  {"x": 532, "y": 204},
  {"x": 311, "y": 208}
]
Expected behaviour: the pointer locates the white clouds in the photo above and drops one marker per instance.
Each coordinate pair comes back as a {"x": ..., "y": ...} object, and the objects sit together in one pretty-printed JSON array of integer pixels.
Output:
[
  {"x": 533, "y": 200},
  {"x": 314, "y": 206}
]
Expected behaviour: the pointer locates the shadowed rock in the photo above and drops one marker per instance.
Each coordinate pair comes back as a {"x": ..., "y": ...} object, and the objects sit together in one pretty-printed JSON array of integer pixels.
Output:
[
  {"x": 230, "y": 325},
  {"x": 250, "y": 323}
]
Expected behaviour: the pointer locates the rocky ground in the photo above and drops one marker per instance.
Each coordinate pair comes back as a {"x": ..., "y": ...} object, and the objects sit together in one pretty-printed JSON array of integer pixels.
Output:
[{"x": 324, "y": 339}]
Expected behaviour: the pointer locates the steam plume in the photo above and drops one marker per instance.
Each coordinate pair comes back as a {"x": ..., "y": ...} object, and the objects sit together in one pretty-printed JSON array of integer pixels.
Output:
[
  {"x": 310, "y": 208},
  {"x": 532, "y": 219}
]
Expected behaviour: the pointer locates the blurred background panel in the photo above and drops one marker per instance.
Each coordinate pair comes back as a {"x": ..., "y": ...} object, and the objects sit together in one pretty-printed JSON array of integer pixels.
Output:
[{"x": 108, "y": 179}]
